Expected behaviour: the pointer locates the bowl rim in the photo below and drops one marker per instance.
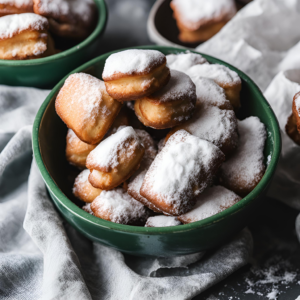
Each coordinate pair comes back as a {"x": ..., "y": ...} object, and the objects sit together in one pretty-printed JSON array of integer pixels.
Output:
[
  {"x": 101, "y": 23},
  {"x": 75, "y": 210}
]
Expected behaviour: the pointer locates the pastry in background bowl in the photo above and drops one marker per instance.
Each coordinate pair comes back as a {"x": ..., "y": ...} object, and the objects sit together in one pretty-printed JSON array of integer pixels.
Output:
[{"x": 10, "y": 7}]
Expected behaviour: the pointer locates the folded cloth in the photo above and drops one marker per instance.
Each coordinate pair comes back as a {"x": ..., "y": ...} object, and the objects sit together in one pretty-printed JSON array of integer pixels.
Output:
[
  {"x": 48, "y": 259},
  {"x": 262, "y": 41}
]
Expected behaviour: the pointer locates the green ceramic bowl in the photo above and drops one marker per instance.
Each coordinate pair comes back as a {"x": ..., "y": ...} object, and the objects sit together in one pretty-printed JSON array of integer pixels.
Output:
[
  {"x": 49, "y": 134},
  {"x": 48, "y": 71}
]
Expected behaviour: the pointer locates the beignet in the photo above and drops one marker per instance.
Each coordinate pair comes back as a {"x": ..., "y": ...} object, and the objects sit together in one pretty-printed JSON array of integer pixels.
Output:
[
  {"x": 244, "y": 170},
  {"x": 115, "y": 159},
  {"x": 118, "y": 207},
  {"x": 170, "y": 106},
  {"x": 181, "y": 171},
  {"x": 296, "y": 110},
  {"x": 85, "y": 107},
  {"x": 211, "y": 202},
  {"x": 10, "y": 7},
  {"x": 162, "y": 221},
  {"x": 133, "y": 74}
]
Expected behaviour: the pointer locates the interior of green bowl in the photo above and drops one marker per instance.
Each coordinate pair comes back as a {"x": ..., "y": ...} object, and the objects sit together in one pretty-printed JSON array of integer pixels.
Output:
[
  {"x": 49, "y": 134},
  {"x": 100, "y": 26}
]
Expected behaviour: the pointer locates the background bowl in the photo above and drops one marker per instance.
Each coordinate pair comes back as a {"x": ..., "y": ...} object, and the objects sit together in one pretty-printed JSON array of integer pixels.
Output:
[
  {"x": 48, "y": 71},
  {"x": 49, "y": 135}
]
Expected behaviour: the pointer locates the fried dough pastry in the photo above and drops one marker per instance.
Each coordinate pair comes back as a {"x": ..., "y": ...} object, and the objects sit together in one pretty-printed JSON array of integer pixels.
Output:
[
  {"x": 162, "y": 221},
  {"x": 86, "y": 108},
  {"x": 82, "y": 188},
  {"x": 224, "y": 77},
  {"x": 181, "y": 171},
  {"x": 199, "y": 20},
  {"x": 183, "y": 61},
  {"x": 170, "y": 106},
  {"x": 296, "y": 110},
  {"x": 115, "y": 159},
  {"x": 73, "y": 19},
  {"x": 23, "y": 36},
  {"x": 244, "y": 170},
  {"x": 11, "y": 7},
  {"x": 211, "y": 202},
  {"x": 291, "y": 129},
  {"x": 133, "y": 74},
  {"x": 118, "y": 207},
  {"x": 76, "y": 150},
  {"x": 215, "y": 125},
  {"x": 87, "y": 208}
]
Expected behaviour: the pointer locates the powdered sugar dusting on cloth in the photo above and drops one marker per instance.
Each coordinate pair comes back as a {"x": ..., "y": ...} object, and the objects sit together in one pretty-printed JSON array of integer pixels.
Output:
[
  {"x": 183, "y": 61},
  {"x": 210, "y": 93},
  {"x": 247, "y": 161},
  {"x": 180, "y": 86},
  {"x": 15, "y": 24},
  {"x": 105, "y": 155},
  {"x": 121, "y": 207},
  {"x": 131, "y": 62},
  {"x": 194, "y": 13},
  {"x": 70, "y": 8},
  {"x": 214, "y": 125},
  {"x": 219, "y": 73},
  {"x": 17, "y": 3},
  {"x": 162, "y": 221},
  {"x": 211, "y": 202},
  {"x": 177, "y": 168}
]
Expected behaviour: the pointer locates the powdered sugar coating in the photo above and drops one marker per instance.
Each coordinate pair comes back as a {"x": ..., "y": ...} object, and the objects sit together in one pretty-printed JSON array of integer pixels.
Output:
[
  {"x": 120, "y": 206},
  {"x": 174, "y": 174},
  {"x": 212, "y": 201},
  {"x": 72, "y": 9},
  {"x": 162, "y": 221},
  {"x": 210, "y": 93},
  {"x": 246, "y": 165},
  {"x": 105, "y": 155},
  {"x": 194, "y": 13},
  {"x": 71, "y": 136},
  {"x": 219, "y": 73},
  {"x": 131, "y": 62},
  {"x": 87, "y": 208},
  {"x": 180, "y": 86},
  {"x": 149, "y": 145},
  {"x": 183, "y": 61},
  {"x": 14, "y": 24},
  {"x": 17, "y": 3}
]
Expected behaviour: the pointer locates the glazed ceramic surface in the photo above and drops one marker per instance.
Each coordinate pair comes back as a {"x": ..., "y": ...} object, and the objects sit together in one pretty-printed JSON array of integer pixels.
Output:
[
  {"x": 48, "y": 71},
  {"x": 49, "y": 135}
]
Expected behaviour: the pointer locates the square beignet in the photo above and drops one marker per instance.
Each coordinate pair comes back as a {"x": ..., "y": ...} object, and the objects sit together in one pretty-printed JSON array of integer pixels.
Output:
[
  {"x": 223, "y": 76},
  {"x": 199, "y": 20},
  {"x": 162, "y": 221},
  {"x": 76, "y": 150},
  {"x": 11, "y": 7},
  {"x": 170, "y": 106},
  {"x": 23, "y": 36},
  {"x": 85, "y": 107},
  {"x": 82, "y": 188},
  {"x": 133, "y": 74},
  {"x": 68, "y": 18},
  {"x": 115, "y": 159},
  {"x": 213, "y": 201},
  {"x": 118, "y": 207},
  {"x": 244, "y": 170},
  {"x": 181, "y": 171}
]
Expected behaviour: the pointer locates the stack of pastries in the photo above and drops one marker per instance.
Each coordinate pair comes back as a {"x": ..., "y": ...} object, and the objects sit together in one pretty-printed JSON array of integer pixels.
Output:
[
  {"x": 206, "y": 161},
  {"x": 27, "y": 27}
]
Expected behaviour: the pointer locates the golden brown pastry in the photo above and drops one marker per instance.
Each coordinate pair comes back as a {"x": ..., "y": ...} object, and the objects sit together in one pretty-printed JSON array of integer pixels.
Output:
[
  {"x": 172, "y": 105},
  {"x": 115, "y": 159},
  {"x": 11, "y": 7},
  {"x": 85, "y": 107},
  {"x": 243, "y": 171},
  {"x": 68, "y": 18},
  {"x": 291, "y": 129},
  {"x": 223, "y": 76},
  {"x": 132, "y": 74},
  {"x": 296, "y": 110},
  {"x": 82, "y": 188},
  {"x": 199, "y": 20},
  {"x": 183, "y": 169},
  {"x": 76, "y": 150},
  {"x": 118, "y": 207},
  {"x": 23, "y": 36}
]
